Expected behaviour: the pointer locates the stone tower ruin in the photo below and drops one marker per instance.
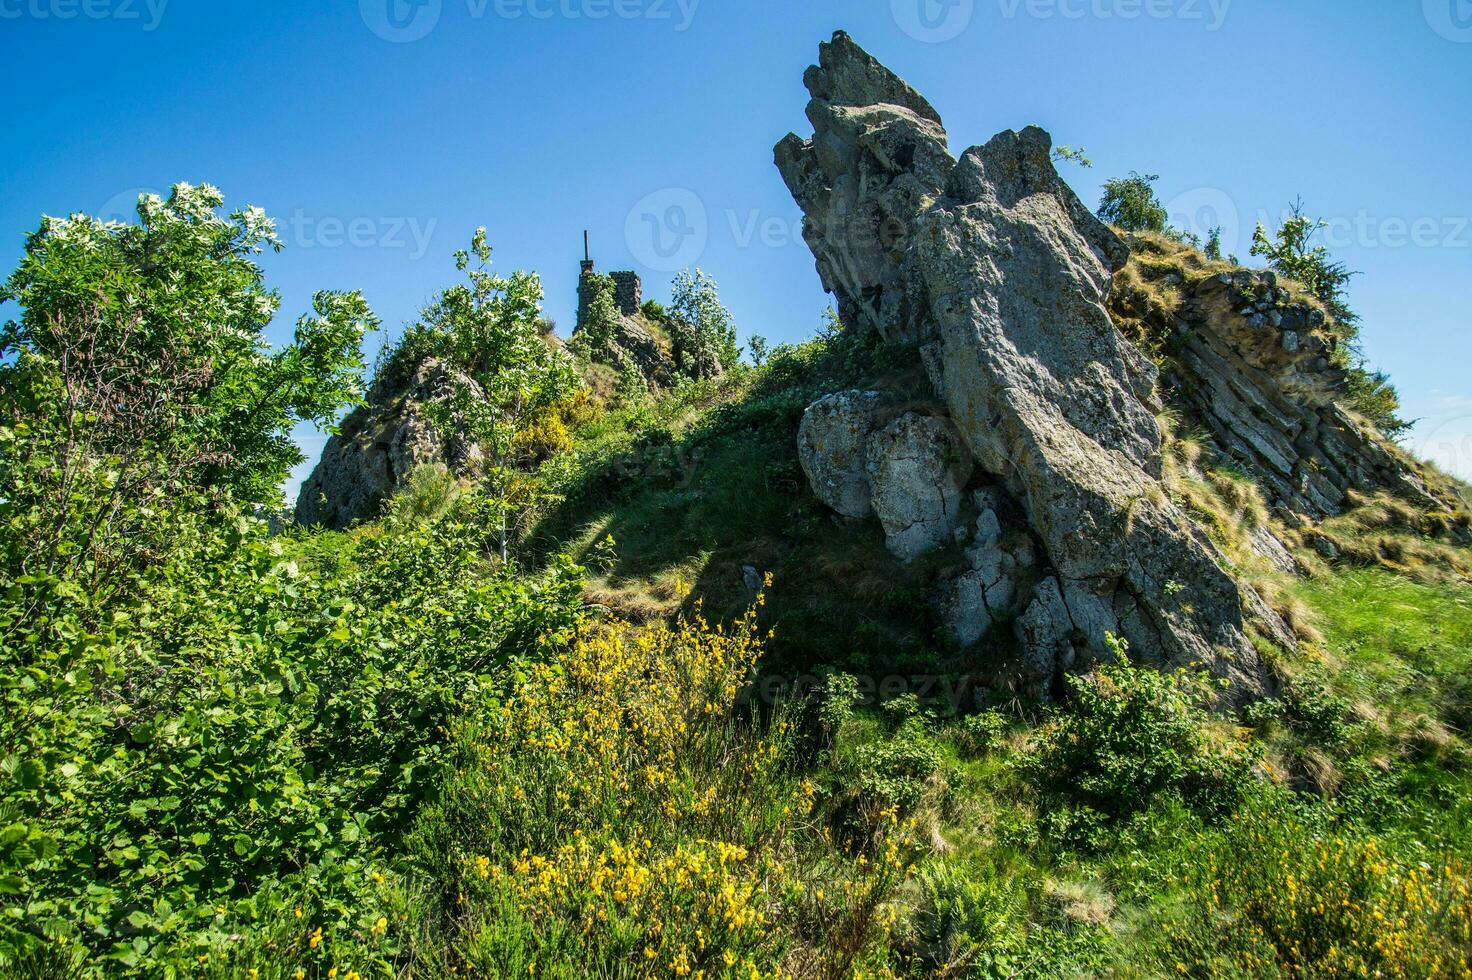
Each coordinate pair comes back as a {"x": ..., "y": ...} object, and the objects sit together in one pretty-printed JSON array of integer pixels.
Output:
[{"x": 628, "y": 290}]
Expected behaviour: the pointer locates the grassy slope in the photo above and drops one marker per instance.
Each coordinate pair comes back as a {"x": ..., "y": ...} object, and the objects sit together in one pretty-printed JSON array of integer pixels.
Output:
[{"x": 1367, "y": 743}]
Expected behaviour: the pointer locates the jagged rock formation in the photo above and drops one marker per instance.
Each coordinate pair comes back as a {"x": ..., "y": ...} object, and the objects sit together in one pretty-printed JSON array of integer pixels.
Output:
[
  {"x": 379, "y": 443},
  {"x": 1254, "y": 363},
  {"x": 995, "y": 270}
]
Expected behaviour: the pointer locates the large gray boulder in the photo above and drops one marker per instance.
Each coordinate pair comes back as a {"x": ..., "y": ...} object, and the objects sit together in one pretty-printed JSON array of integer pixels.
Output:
[
  {"x": 918, "y": 468},
  {"x": 833, "y": 445},
  {"x": 998, "y": 274},
  {"x": 380, "y": 442}
]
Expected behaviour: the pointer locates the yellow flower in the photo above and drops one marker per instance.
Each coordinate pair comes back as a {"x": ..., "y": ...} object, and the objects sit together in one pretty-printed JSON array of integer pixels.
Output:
[
  {"x": 315, "y": 939},
  {"x": 380, "y": 926}
]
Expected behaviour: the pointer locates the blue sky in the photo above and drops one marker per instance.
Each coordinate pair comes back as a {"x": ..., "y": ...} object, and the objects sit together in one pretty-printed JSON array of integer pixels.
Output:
[{"x": 380, "y": 133}]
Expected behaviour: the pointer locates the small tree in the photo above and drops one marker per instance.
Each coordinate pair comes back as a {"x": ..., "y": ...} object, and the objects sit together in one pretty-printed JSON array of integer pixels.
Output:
[
  {"x": 1069, "y": 154},
  {"x": 756, "y": 346},
  {"x": 704, "y": 333},
  {"x": 1291, "y": 251},
  {"x": 1214, "y": 244},
  {"x": 1130, "y": 203},
  {"x": 488, "y": 329},
  {"x": 137, "y": 393}
]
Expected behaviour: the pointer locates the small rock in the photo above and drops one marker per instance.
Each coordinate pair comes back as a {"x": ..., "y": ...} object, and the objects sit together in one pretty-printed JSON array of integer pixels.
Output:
[
  {"x": 1290, "y": 341},
  {"x": 751, "y": 578}
]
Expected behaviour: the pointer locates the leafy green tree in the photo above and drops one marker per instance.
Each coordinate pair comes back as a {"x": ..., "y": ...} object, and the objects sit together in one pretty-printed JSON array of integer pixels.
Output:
[
  {"x": 137, "y": 390},
  {"x": 488, "y": 330},
  {"x": 756, "y": 346},
  {"x": 704, "y": 332},
  {"x": 1130, "y": 203},
  {"x": 1292, "y": 252}
]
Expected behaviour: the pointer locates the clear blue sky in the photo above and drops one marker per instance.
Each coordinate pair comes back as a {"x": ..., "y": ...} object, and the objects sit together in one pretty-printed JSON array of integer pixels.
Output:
[{"x": 380, "y": 133}]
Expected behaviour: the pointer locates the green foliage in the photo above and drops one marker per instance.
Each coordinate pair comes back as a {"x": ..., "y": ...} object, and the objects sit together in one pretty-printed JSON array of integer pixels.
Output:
[
  {"x": 1130, "y": 203},
  {"x": 703, "y": 331},
  {"x": 426, "y": 494},
  {"x": 254, "y": 721},
  {"x": 757, "y": 347},
  {"x": 595, "y": 337},
  {"x": 836, "y": 700},
  {"x": 1069, "y": 154},
  {"x": 1289, "y": 890},
  {"x": 1129, "y": 736},
  {"x": 489, "y": 333},
  {"x": 964, "y": 916},
  {"x": 1213, "y": 247},
  {"x": 1291, "y": 251},
  {"x": 137, "y": 395},
  {"x": 154, "y": 331},
  {"x": 982, "y": 733},
  {"x": 1371, "y": 393},
  {"x": 894, "y": 771}
]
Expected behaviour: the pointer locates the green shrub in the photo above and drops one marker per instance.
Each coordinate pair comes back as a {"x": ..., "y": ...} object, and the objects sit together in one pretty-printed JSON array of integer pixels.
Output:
[
  {"x": 981, "y": 733},
  {"x": 894, "y": 771},
  {"x": 1128, "y": 736},
  {"x": 1286, "y": 890},
  {"x": 249, "y": 727}
]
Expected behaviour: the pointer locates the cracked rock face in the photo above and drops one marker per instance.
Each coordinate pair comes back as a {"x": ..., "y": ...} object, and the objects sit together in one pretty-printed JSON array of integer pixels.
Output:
[
  {"x": 918, "y": 468},
  {"x": 998, "y": 274},
  {"x": 377, "y": 445}
]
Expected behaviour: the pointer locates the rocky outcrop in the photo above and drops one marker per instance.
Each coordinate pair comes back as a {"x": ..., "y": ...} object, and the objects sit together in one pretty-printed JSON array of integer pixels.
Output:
[
  {"x": 1255, "y": 365},
  {"x": 997, "y": 274},
  {"x": 379, "y": 443}
]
